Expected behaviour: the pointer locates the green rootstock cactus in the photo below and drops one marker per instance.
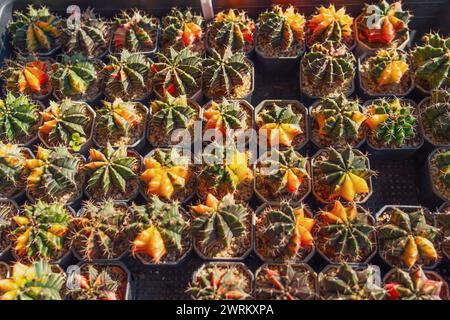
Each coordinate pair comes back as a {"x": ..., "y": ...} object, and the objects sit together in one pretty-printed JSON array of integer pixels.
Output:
[
  {"x": 437, "y": 113},
  {"x": 443, "y": 165}
]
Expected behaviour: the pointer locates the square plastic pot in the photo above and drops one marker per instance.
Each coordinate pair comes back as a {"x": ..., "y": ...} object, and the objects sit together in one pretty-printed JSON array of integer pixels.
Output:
[
  {"x": 19, "y": 195},
  {"x": 7, "y": 247},
  {"x": 428, "y": 138}
]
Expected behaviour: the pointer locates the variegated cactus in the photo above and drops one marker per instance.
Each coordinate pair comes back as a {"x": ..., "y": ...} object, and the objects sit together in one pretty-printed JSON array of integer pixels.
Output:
[
  {"x": 225, "y": 115},
  {"x": 443, "y": 165},
  {"x": 7, "y": 210},
  {"x": 12, "y": 169},
  {"x": 388, "y": 68},
  {"x": 437, "y": 114}
]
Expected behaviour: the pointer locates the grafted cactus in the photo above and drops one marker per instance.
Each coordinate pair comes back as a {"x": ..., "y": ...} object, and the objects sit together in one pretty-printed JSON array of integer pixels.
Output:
[
  {"x": 135, "y": 31},
  {"x": 177, "y": 73},
  {"x": 432, "y": 62},
  {"x": 37, "y": 31},
  {"x": 12, "y": 169},
  {"x": 225, "y": 115},
  {"x": 392, "y": 122},
  {"x": 347, "y": 283},
  {"x": 228, "y": 75},
  {"x": 437, "y": 113},
  {"x": 329, "y": 24},
  {"x": 281, "y": 31},
  {"x": 443, "y": 165},
  {"x": 388, "y": 67},
  {"x": 345, "y": 233},
  {"x": 90, "y": 38},
  {"x": 163, "y": 231},
  {"x": 127, "y": 76},
  {"x": 7, "y": 210},
  {"x": 231, "y": 29},
  {"x": 406, "y": 238},
  {"x": 327, "y": 69}
]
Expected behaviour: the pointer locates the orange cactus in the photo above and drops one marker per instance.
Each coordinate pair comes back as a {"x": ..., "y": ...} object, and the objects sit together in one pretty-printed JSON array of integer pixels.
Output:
[
  {"x": 324, "y": 25},
  {"x": 151, "y": 243},
  {"x": 210, "y": 205},
  {"x": 191, "y": 32},
  {"x": 34, "y": 76},
  {"x": 283, "y": 133},
  {"x": 301, "y": 236},
  {"x": 50, "y": 118}
]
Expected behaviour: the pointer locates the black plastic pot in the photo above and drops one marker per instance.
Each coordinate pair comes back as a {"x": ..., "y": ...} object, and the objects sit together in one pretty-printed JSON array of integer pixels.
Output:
[{"x": 428, "y": 138}]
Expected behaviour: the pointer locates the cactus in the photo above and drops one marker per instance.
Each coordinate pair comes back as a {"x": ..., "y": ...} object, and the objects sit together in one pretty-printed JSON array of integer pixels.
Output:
[
  {"x": 216, "y": 282},
  {"x": 407, "y": 239},
  {"x": 327, "y": 69},
  {"x": 443, "y": 165},
  {"x": 388, "y": 67},
  {"x": 135, "y": 31},
  {"x": 41, "y": 231},
  {"x": 76, "y": 77},
  {"x": 102, "y": 231},
  {"x": 182, "y": 29},
  {"x": 127, "y": 76},
  {"x": 18, "y": 118},
  {"x": 280, "y": 125},
  {"x": 166, "y": 173},
  {"x": 225, "y": 115},
  {"x": 392, "y": 122},
  {"x": 281, "y": 31},
  {"x": 53, "y": 173},
  {"x": 90, "y": 38},
  {"x": 329, "y": 24},
  {"x": 413, "y": 285},
  {"x": 37, "y": 31},
  {"x": 345, "y": 233},
  {"x": 383, "y": 25},
  {"x": 344, "y": 173},
  {"x": 66, "y": 123},
  {"x": 7, "y": 210},
  {"x": 231, "y": 29},
  {"x": 163, "y": 231},
  {"x": 38, "y": 281},
  {"x": 437, "y": 113},
  {"x": 218, "y": 223},
  {"x": 12, "y": 169},
  {"x": 111, "y": 171},
  {"x": 432, "y": 62},
  {"x": 345, "y": 283},
  {"x": 228, "y": 75},
  {"x": 177, "y": 73},
  {"x": 443, "y": 221},
  {"x": 284, "y": 233}
]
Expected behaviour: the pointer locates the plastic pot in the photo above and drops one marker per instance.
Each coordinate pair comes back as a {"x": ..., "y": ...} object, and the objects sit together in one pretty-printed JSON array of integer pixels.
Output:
[
  {"x": 429, "y": 138},
  {"x": 431, "y": 194},
  {"x": 19, "y": 194},
  {"x": 6, "y": 246}
]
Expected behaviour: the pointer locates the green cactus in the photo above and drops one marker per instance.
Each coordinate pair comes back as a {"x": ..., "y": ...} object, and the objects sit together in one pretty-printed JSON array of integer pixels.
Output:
[
  {"x": 432, "y": 62},
  {"x": 7, "y": 210},
  {"x": 177, "y": 72},
  {"x": 279, "y": 115},
  {"x": 437, "y": 113},
  {"x": 225, "y": 115},
  {"x": 387, "y": 67},
  {"x": 12, "y": 169},
  {"x": 443, "y": 165},
  {"x": 37, "y": 31}
]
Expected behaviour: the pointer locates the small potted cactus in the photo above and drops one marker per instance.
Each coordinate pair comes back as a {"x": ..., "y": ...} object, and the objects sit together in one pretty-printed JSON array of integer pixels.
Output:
[
  {"x": 102, "y": 231},
  {"x": 384, "y": 73},
  {"x": 351, "y": 282},
  {"x": 4, "y": 270},
  {"x": 36, "y": 281},
  {"x": 168, "y": 174},
  {"x": 112, "y": 173},
  {"x": 438, "y": 169},
  {"x": 328, "y": 68},
  {"x": 345, "y": 233},
  {"x": 227, "y": 171},
  {"x": 41, "y": 231},
  {"x": 229, "y": 75},
  {"x": 415, "y": 284},
  {"x": 336, "y": 122},
  {"x": 232, "y": 29},
  {"x": 393, "y": 125},
  {"x": 443, "y": 222},
  {"x": 127, "y": 76},
  {"x": 431, "y": 62},
  {"x": 434, "y": 116},
  {"x": 183, "y": 29},
  {"x": 407, "y": 237},
  {"x": 38, "y": 31},
  {"x": 56, "y": 175},
  {"x": 163, "y": 232},
  {"x": 222, "y": 229},
  {"x": 172, "y": 118},
  {"x": 134, "y": 31},
  {"x": 177, "y": 73},
  {"x": 8, "y": 209},
  {"x": 382, "y": 26},
  {"x": 90, "y": 38},
  {"x": 100, "y": 281},
  {"x": 67, "y": 123},
  {"x": 29, "y": 76},
  {"x": 13, "y": 170},
  {"x": 282, "y": 175},
  {"x": 19, "y": 119},
  {"x": 282, "y": 123},
  {"x": 221, "y": 281},
  {"x": 283, "y": 233},
  {"x": 342, "y": 174},
  {"x": 285, "y": 282},
  {"x": 329, "y": 24},
  {"x": 77, "y": 77},
  {"x": 120, "y": 122}
]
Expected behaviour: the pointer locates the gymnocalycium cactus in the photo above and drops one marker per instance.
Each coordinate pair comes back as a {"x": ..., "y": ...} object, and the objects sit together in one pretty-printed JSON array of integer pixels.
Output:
[
  {"x": 37, "y": 31},
  {"x": 437, "y": 114},
  {"x": 163, "y": 231},
  {"x": 135, "y": 31},
  {"x": 345, "y": 233},
  {"x": 225, "y": 115},
  {"x": 443, "y": 165},
  {"x": 12, "y": 169},
  {"x": 281, "y": 32}
]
